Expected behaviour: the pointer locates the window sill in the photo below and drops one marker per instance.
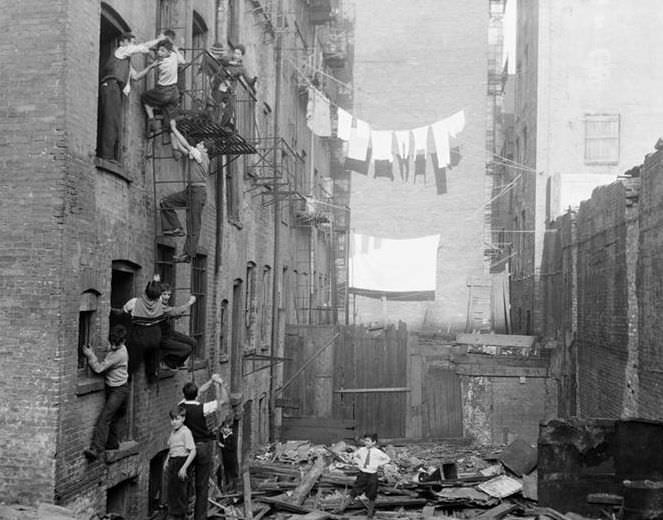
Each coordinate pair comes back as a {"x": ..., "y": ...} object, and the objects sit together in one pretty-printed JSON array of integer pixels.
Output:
[
  {"x": 113, "y": 168},
  {"x": 127, "y": 449},
  {"x": 235, "y": 222},
  {"x": 89, "y": 385},
  {"x": 223, "y": 359}
]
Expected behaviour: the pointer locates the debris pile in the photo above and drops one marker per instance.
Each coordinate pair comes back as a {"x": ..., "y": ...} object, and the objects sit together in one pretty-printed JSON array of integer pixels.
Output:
[{"x": 423, "y": 481}]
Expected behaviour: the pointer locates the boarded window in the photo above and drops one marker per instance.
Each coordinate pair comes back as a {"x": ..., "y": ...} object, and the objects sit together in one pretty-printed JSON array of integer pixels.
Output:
[{"x": 602, "y": 139}]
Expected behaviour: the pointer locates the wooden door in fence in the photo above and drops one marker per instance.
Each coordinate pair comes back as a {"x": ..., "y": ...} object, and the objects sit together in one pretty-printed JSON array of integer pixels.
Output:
[
  {"x": 370, "y": 379},
  {"x": 442, "y": 408}
]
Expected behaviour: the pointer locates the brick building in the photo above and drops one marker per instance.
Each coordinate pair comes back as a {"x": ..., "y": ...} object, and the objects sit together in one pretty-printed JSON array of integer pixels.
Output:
[
  {"x": 81, "y": 233},
  {"x": 395, "y": 69},
  {"x": 586, "y": 110}
]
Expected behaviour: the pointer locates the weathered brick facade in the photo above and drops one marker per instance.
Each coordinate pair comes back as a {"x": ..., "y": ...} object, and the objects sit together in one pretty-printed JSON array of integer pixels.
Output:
[{"x": 73, "y": 227}]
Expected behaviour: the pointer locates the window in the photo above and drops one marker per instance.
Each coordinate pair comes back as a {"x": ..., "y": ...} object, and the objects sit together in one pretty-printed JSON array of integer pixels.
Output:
[
  {"x": 232, "y": 190},
  {"x": 224, "y": 332},
  {"x": 250, "y": 299},
  {"x": 109, "y": 122},
  {"x": 233, "y": 22},
  {"x": 266, "y": 308},
  {"x": 87, "y": 326},
  {"x": 123, "y": 288},
  {"x": 198, "y": 309},
  {"x": 602, "y": 139},
  {"x": 237, "y": 329},
  {"x": 165, "y": 267},
  {"x": 198, "y": 42}
]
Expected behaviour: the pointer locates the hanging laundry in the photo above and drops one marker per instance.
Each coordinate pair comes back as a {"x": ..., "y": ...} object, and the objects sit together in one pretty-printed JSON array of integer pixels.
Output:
[
  {"x": 420, "y": 146},
  {"x": 344, "y": 124},
  {"x": 455, "y": 123},
  {"x": 403, "y": 153},
  {"x": 396, "y": 269},
  {"x": 454, "y": 157},
  {"x": 441, "y": 140},
  {"x": 382, "y": 151},
  {"x": 357, "y": 157},
  {"x": 420, "y": 140},
  {"x": 318, "y": 117},
  {"x": 440, "y": 175},
  {"x": 383, "y": 168}
]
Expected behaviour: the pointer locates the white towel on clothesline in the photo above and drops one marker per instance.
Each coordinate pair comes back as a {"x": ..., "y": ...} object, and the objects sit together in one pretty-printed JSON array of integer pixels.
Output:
[
  {"x": 359, "y": 138},
  {"x": 441, "y": 140},
  {"x": 344, "y": 124},
  {"x": 381, "y": 141}
]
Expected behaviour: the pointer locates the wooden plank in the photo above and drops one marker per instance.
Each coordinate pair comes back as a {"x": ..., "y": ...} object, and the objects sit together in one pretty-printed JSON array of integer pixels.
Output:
[
  {"x": 371, "y": 390},
  {"x": 497, "y": 512},
  {"x": 332, "y": 422},
  {"x": 500, "y": 371},
  {"x": 496, "y": 340}
]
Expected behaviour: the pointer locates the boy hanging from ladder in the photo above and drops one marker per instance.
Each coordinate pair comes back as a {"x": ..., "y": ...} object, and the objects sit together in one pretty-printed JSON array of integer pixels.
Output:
[{"x": 193, "y": 197}]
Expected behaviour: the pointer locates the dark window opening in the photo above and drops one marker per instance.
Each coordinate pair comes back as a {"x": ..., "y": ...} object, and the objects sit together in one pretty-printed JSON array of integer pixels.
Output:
[
  {"x": 266, "y": 308},
  {"x": 236, "y": 342},
  {"x": 123, "y": 288},
  {"x": 157, "y": 484},
  {"x": 87, "y": 327},
  {"x": 117, "y": 499},
  {"x": 111, "y": 27},
  {"x": 250, "y": 299},
  {"x": 198, "y": 309},
  {"x": 224, "y": 333},
  {"x": 232, "y": 191}
]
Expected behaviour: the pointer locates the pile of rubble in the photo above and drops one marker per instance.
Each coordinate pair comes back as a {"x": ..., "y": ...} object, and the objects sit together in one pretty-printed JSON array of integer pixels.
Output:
[{"x": 423, "y": 481}]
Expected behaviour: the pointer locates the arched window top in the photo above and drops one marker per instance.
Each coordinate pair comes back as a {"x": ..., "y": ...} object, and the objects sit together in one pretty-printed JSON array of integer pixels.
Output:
[
  {"x": 88, "y": 300},
  {"x": 199, "y": 25},
  {"x": 111, "y": 16}
]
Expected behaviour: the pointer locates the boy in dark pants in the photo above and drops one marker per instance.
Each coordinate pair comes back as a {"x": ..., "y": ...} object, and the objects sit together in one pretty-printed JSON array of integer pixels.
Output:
[
  {"x": 196, "y": 422},
  {"x": 116, "y": 375},
  {"x": 368, "y": 459},
  {"x": 181, "y": 452}
]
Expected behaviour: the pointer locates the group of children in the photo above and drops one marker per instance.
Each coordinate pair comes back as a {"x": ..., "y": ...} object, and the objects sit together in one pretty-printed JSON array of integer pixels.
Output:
[
  {"x": 116, "y": 77},
  {"x": 190, "y": 444}
]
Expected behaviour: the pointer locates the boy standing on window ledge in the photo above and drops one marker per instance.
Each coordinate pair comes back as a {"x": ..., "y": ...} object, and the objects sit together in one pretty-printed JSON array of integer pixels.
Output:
[
  {"x": 114, "y": 368},
  {"x": 116, "y": 74},
  {"x": 368, "y": 459}
]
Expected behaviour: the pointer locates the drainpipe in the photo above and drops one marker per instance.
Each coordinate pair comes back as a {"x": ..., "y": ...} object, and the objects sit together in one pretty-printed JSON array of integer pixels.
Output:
[{"x": 276, "y": 278}]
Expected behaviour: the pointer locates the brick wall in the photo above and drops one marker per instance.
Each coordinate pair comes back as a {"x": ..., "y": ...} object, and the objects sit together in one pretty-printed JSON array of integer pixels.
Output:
[
  {"x": 650, "y": 290},
  {"x": 604, "y": 261},
  {"x": 401, "y": 84}
]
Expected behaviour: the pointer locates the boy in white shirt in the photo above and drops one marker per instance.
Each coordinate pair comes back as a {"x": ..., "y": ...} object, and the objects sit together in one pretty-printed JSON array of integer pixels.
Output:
[{"x": 368, "y": 459}]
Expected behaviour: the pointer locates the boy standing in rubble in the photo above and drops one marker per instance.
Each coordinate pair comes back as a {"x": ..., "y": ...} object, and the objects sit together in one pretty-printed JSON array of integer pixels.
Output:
[{"x": 368, "y": 459}]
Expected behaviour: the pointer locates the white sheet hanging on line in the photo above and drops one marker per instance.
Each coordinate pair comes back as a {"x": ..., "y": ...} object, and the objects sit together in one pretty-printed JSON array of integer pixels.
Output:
[
  {"x": 381, "y": 141},
  {"x": 455, "y": 123},
  {"x": 420, "y": 139},
  {"x": 441, "y": 140},
  {"x": 344, "y": 124},
  {"x": 401, "y": 269},
  {"x": 318, "y": 116},
  {"x": 359, "y": 138}
]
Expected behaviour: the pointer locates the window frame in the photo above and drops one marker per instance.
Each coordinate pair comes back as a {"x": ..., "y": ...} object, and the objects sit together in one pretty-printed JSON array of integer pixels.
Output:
[
  {"x": 198, "y": 314},
  {"x": 609, "y": 139}
]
